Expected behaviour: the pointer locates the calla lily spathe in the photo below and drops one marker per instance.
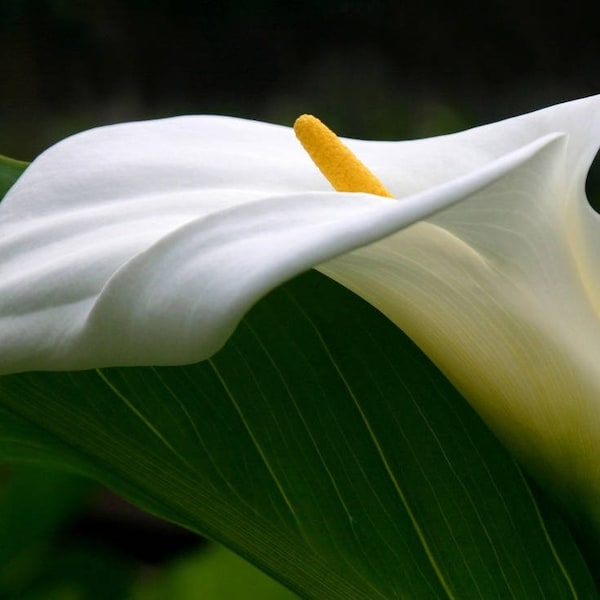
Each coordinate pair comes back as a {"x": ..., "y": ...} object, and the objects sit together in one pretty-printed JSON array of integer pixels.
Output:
[{"x": 145, "y": 243}]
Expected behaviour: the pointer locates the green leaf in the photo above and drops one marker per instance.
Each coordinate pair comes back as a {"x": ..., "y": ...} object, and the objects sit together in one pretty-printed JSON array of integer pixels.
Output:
[
  {"x": 10, "y": 171},
  {"x": 320, "y": 444},
  {"x": 213, "y": 573}
]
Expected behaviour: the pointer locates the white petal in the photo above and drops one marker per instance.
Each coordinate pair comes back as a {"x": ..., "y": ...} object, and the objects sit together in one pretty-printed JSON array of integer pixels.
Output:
[
  {"x": 112, "y": 258},
  {"x": 501, "y": 290},
  {"x": 412, "y": 166}
]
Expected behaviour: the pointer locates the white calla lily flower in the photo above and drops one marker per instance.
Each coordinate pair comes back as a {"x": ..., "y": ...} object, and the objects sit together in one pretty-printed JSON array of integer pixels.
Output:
[{"x": 145, "y": 243}]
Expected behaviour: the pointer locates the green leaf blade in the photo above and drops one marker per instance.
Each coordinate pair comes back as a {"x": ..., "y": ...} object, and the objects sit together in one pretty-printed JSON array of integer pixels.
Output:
[
  {"x": 10, "y": 171},
  {"x": 321, "y": 445}
]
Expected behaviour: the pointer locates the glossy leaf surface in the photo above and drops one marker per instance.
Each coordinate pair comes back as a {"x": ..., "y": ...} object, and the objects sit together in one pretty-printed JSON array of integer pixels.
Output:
[{"x": 322, "y": 445}]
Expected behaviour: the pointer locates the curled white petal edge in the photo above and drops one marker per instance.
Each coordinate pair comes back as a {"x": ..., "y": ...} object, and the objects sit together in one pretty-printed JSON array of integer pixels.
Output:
[{"x": 152, "y": 309}]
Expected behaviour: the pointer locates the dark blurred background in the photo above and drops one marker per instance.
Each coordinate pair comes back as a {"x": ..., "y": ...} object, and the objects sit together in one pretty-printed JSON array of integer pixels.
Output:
[{"x": 378, "y": 69}]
